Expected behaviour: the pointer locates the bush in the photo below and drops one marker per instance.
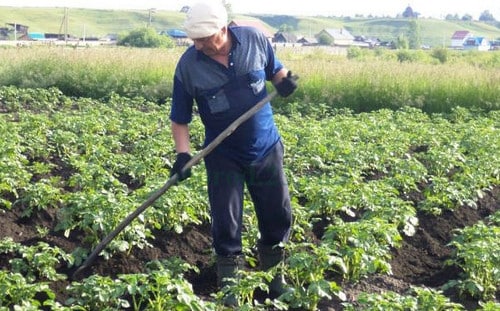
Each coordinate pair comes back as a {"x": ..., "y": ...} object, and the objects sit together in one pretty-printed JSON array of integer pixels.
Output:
[
  {"x": 406, "y": 56},
  {"x": 145, "y": 38},
  {"x": 440, "y": 54}
]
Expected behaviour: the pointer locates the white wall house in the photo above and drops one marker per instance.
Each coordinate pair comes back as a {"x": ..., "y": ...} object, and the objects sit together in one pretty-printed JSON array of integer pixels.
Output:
[{"x": 459, "y": 38}]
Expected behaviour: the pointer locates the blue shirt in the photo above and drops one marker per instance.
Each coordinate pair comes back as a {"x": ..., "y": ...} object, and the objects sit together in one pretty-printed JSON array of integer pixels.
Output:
[{"x": 223, "y": 94}]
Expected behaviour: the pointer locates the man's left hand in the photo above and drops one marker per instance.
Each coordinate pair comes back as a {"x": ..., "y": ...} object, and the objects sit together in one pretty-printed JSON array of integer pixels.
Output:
[{"x": 287, "y": 85}]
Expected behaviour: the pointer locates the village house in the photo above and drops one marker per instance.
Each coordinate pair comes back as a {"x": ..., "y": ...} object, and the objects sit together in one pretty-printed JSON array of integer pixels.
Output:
[
  {"x": 307, "y": 41},
  {"x": 339, "y": 37},
  {"x": 459, "y": 38},
  {"x": 179, "y": 36},
  {"x": 284, "y": 37},
  {"x": 477, "y": 43}
]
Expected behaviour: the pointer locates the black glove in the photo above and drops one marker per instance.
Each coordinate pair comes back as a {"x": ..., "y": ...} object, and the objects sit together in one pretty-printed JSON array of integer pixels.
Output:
[
  {"x": 180, "y": 161},
  {"x": 287, "y": 85}
]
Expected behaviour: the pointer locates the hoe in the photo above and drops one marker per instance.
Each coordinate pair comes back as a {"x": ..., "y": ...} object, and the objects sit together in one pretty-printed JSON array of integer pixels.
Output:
[{"x": 173, "y": 180}]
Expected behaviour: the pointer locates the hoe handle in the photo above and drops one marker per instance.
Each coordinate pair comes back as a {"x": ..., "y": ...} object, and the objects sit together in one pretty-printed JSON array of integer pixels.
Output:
[{"x": 153, "y": 197}]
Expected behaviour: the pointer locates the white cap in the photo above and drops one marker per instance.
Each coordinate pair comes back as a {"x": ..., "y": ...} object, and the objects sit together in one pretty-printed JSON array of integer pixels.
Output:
[{"x": 205, "y": 19}]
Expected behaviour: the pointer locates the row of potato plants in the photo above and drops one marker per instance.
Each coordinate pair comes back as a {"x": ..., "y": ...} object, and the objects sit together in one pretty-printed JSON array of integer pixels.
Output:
[{"x": 95, "y": 162}]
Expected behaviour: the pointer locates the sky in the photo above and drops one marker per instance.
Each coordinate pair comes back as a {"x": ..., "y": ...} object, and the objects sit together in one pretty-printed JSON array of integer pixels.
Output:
[{"x": 426, "y": 8}]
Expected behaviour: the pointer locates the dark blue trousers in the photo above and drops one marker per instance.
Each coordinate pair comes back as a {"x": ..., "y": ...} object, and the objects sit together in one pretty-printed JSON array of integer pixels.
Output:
[{"x": 268, "y": 188}]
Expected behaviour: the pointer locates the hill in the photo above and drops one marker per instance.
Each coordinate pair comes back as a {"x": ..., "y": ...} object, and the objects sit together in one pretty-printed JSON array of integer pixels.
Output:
[{"x": 98, "y": 23}]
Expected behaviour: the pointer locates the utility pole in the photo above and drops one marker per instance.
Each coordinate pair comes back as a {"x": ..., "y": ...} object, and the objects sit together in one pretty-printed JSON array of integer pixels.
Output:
[
  {"x": 65, "y": 25},
  {"x": 84, "y": 33},
  {"x": 151, "y": 11}
]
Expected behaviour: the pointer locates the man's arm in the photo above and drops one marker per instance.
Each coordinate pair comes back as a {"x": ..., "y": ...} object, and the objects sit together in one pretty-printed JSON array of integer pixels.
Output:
[
  {"x": 180, "y": 134},
  {"x": 279, "y": 76}
]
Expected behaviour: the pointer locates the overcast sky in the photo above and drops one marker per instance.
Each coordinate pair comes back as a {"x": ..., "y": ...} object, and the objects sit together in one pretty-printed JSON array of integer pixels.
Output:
[{"x": 427, "y": 8}]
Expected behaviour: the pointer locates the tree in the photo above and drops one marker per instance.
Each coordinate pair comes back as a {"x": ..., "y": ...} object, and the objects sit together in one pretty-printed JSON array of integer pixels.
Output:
[
  {"x": 467, "y": 17},
  {"x": 408, "y": 13},
  {"x": 285, "y": 28},
  {"x": 486, "y": 16},
  {"x": 450, "y": 17},
  {"x": 402, "y": 42},
  {"x": 325, "y": 39},
  {"x": 414, "y": 35}
]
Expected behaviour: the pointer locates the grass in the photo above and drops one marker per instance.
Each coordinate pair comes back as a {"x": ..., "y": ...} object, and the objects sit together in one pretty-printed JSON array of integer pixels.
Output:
[
  {"x": 94, "y": 73},
  {"x": 367, "y": 81},
  {"x": 375, "y": 82}
]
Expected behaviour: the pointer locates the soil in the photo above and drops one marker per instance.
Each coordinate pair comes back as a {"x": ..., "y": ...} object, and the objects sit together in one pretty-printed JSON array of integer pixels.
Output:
[{"x": 418, "y": 262}]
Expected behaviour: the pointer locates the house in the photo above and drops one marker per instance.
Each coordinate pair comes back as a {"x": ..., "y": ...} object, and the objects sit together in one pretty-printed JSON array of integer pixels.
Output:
[
  {"x": 365, "y": 42},
  {"x": 284, "y": 37},
  {"x": 495, "y": 45},
  {"x": 252, "y": 23},
  {"x": 110, "y": 37},
  {"x": 179, "y": 36},
  {"x": 36, "y": 36},
  {"x": 339, "y": 37},
  {"x": 18, "y": 28},
  {"x": 4, "y": 33},
  {"x": 307, "y": 41},
  {"x": 477, "y": 43},
  {"x": 459, "y": 37},
  {"x": 175, "y": 33}
]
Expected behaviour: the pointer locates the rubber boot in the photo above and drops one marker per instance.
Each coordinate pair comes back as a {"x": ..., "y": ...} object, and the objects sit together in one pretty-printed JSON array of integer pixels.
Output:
[
  {"x": 269, "y": 257},
  {"x": 227, "y": 267}
]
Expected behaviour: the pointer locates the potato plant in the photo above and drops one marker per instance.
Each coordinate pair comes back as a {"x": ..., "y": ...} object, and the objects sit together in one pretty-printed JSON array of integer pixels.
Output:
[{"x": 355, "y": 176}]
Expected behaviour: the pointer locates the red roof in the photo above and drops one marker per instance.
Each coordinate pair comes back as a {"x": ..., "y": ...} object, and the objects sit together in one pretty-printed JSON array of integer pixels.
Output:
[
  {"x": 460, "y": 35},
  {"x": 252, "y": 23}
]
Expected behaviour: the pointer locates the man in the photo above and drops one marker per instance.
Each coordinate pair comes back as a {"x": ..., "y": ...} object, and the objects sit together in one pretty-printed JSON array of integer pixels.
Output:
[{"x": 225, "y": 72}]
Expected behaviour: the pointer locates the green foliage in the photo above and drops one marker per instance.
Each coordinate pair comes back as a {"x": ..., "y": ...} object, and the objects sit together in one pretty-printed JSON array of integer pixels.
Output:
[
  {"x": 441, "y": 54},
  {"x": 489, "y": 306},
  {"x": 102, "y": 159},
  {"x": 363, "y": 246},
  {"x": 473, "y": 253},
  {"x": 357, "y": 53},
  {"x": 37, "y": 262},
  {"x": 145, "y": 38},
  {"x": 402, "y": 42},
  {"x": 20, "y": 294},
  {"x": 244, "y": 289},
  {"x": 161, "y": 288},
  {"x": 406, "y": 56},
  {"x": 414, "y": 34},
  {"x": 325, "y": 39},
  {"x": 27, "y": 285},
  {"x": 306, "y": 266},
  {"x": 419, "y": 299},
  {"x": 97, "y": 73},
  {"x": 369, "y": 80}
]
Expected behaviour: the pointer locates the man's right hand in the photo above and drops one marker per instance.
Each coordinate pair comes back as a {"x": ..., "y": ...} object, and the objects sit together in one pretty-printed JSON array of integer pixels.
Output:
[
  {"x": 181, "y": 160},
  {"x": 287, "y": 85}
]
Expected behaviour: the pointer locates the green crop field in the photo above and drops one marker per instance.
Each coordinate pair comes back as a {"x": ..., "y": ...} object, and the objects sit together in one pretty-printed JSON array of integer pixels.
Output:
[{"x": 392, "y": 158}]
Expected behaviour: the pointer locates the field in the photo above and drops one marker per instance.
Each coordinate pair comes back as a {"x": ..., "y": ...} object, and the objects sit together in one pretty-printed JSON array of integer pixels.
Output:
[
  {"x": 91, "y": 23},
  {"x": 395, "y": 192}
]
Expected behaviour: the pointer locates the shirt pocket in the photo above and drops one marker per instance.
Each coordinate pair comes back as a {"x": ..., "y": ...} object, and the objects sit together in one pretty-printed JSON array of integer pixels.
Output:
[
  {"x": 217, "y": 102},
  {"x": 256, "y": 81}
]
